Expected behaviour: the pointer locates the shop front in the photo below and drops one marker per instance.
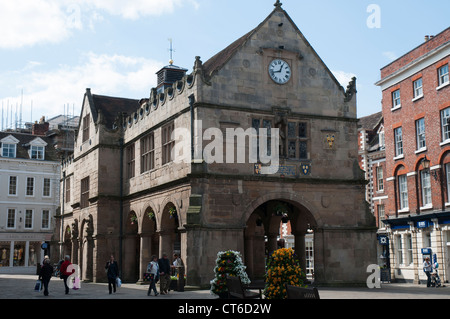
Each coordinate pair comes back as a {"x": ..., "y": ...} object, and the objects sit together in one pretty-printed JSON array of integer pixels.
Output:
[{"x": 21, "y": 254}]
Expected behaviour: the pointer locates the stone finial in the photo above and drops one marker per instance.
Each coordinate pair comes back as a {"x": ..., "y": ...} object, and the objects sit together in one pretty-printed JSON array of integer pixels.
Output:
[
  {"x": 278, "y": 4},
  {"x": 351, "y": 90}
]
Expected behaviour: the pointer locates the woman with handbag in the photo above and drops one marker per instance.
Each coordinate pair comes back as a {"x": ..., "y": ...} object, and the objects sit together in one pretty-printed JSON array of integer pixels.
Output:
[
  {"x": 153, "y": 269},
  {"x": 112, "y": 271},
  {"x": 46, "y": 274}
]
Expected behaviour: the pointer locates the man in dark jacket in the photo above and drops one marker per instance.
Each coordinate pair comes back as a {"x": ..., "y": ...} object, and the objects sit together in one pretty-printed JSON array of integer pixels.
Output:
[
  {"x": 45, "y": 275},
  {"x": 112, "y": 273},
  {"x": 164, "y": 272}
]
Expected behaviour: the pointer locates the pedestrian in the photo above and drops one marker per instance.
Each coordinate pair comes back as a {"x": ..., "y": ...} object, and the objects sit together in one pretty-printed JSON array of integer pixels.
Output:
[
  {"x": 427, "y": 269},
  {"x": 64, "y": 273},
  {"x": 46, "y": 274},
  {"x": 112, "y": 271},
  {"x": 164, "y": 272},
  {"x": 153, "y": 270}
]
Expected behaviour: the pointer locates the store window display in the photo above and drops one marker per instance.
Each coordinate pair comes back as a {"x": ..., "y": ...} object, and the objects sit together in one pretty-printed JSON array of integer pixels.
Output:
[{"x": 4, "y": 255}]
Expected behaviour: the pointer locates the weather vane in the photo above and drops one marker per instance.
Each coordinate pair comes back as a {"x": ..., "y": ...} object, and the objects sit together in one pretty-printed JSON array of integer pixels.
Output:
[{"x": 171, "y": 50}]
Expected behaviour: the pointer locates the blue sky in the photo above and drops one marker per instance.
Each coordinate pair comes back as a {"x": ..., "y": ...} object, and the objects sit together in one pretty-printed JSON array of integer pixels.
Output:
[{"x": 52, "y": 50}]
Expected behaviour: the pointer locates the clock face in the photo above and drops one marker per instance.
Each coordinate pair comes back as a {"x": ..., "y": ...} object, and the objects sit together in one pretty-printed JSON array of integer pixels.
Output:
[{"x": 280, "y": 71}]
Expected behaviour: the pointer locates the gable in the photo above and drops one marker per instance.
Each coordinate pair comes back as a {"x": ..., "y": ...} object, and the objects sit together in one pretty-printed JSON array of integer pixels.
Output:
[
  {"x": 9, "y": 140},
  {"x": 245, "y": 63}
]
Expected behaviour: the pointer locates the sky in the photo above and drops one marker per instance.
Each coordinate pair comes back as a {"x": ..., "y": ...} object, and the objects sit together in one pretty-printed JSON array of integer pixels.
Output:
[{"x": 52, "y": 50}]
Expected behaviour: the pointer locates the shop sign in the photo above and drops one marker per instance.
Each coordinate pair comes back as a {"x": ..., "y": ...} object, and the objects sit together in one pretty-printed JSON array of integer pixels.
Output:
[
  {"x": 422, "y": 224},
  {"x": 383, "y": 240}
]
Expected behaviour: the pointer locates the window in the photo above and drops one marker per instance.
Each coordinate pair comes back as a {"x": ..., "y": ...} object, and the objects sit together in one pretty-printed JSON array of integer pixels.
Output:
[
  {"x": 28, "y": 219},
  {"x": 398, "y": 141},
  {"x": 443, "y": 75},
  {"x": 396, "y": 99},
  {"x": 11, "y": 219},
  {"x": 37, "y": 152},
  {"x": 167, "y": 143},
  {"x": 447, "y": 171},
  {"x": 297, "y": 140},
  {"x": 67, "y": 181},
  {"x": 148, "y": 153},
  {"x": 86, "y": 122},
  {"x": 418, "y": 88},
  {"x": 400, "y": 250},
  {"x": 381, "y": 215},
  {"x": 380, "y": 180},
  {"x": 46, "y": 187},
  {"x": 403, "y": 192},
  {"x": 420, "y": 134},
  {"x": 12, "y": 185},
  {"x": 409, "y": 250},
  {"x": 382, "y": 140},
  {"x": 130, "y": 161},
  {"x": 445, "y": 124},
  {"x": 8, "y": 150},
  {"x": 45, "y": 223},
  {"x": 258, "y": 124},
  {"x": 84, "y": 202},
  {"x": 426, "y": 187},
  {"x": 30, "y": 186}
]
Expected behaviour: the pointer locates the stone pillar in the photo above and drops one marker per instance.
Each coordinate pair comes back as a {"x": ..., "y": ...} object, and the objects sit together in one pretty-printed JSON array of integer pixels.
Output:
[
  {"x": 300, "y": 249},
  {"x": 272, "y": 242},
  {"x": 144, "y": 253}
]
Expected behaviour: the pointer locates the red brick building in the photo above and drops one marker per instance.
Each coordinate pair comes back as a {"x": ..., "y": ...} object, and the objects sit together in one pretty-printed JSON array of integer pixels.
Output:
[{"x": 416, "y": 112}]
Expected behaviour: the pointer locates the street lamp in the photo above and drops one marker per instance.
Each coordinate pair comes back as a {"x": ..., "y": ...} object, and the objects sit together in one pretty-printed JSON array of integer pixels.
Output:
[{"x": 426, "y": 163}]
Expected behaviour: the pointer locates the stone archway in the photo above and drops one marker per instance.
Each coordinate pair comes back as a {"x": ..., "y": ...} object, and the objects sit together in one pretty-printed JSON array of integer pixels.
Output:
[
  {"x": 149, "y": 240},
  {"x": 170, "y": 236},
  {"x": 131, "y": 250},
  {"x": 262, "y": 233}
]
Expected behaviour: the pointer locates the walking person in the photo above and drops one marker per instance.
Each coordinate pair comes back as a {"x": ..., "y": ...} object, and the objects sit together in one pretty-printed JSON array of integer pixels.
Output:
[
  {"x": 427, "y": 269},
  {"x": 64, "y": 273},
  {"x": 153, "y": 270},
  {"x": 46, "y": 274},
  {"x": 112, "y": 271},
  {"x": 164, "y": 272}
]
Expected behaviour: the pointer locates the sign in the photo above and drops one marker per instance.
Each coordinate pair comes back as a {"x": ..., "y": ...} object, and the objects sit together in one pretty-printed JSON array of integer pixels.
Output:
[
  {"x": 422, "y": 224},
  {"x": 44, "y": 246},
  {"x": 383, "y": 240},
  {"x": 426, "y": 251}
]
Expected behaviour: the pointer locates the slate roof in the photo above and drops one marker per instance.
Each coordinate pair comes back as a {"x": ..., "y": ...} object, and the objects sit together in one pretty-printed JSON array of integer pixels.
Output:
[
  {"x": 23, "y": 146},
  {"x": 370, "y": 122}
]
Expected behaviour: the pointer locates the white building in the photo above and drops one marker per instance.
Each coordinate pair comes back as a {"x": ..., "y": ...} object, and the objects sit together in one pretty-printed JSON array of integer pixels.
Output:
[{"x": 29, "y": 198}]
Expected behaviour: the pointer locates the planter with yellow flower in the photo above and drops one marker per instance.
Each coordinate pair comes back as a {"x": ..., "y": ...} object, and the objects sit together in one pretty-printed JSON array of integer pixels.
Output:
[{"x": 282, "y": 267}]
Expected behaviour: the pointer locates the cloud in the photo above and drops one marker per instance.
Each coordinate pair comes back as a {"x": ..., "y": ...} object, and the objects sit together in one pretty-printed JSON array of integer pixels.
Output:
[
  {"x": 391, "y": 56},
  {"x": 343, "y": 77},
  {"x": 113, "y": 75},
  {"x": 29, "y": 22}
]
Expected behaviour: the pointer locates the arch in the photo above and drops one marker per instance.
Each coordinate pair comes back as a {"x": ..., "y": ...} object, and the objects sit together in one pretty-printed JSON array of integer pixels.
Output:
[
  {"x": 418, "y": 162},
  {"x": 397, "y": 170},
  {"x": 283, "y": 196},
  {"x": 170, "y": 236},
  {"x": 264, "y": 224}
]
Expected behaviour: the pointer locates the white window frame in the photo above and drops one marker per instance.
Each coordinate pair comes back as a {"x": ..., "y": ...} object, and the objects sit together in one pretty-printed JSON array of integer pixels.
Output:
[
  {"x": 32, "y": 187},
  {"x": 403, "y": 192},
  {"x": 398, "y": 138},
  {"x": 399, "y": 249},
  {"x": 9, "y": 186},
  {"x": 26, "y": 219},
  {"x": 8, "y": 218},
  {"x": 37, "y": 152},
  {"x": 443, "y": 76},
  {"x": 49, "y": 187},
  {"x": 380, "y": 179},
  {"x": 7, "y": 147},
  {"x": 396, "y": 99},
  {"x": 418, "y": 88},
  {"x": 420, "y": 134},
  {"x": 44, "y": 211},
  {"x": 445, "y": 124},
  {"x": 447, "y": 171},
  {"x": 425, "y": 183}
]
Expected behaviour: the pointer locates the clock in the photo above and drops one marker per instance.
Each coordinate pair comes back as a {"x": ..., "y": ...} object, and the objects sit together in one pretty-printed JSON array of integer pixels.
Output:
[{"x": 280, "y": 71}]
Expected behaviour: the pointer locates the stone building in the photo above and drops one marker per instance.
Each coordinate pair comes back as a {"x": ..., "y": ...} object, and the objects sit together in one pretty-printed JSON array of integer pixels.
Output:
[
  {"x": 125, "y": 193},
  {"x": 416, "y": 112}
]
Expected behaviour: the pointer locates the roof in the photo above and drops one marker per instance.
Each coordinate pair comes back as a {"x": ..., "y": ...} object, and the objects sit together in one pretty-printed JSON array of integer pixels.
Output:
[
  {"x": 110, "y": 107},
  {"x": 23, "y": 146},
  {"x": 370, "y": 122}
]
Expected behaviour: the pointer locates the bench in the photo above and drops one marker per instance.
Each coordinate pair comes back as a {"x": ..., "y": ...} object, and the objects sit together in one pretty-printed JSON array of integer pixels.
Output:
[
  {"x": 301, "y": 293},
  {"x": 237, "y": 290}
]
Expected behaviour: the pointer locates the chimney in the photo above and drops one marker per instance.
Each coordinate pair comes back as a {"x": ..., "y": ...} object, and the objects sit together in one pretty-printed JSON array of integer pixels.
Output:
[
  {"x": 40, "y": 128},
  {"x": 427, "y": 37}
]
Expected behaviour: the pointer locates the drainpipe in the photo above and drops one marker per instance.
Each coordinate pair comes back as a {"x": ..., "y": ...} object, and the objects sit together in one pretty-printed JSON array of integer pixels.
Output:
[
  {"x": 191, "y": 105},
  {"x": 61, "y": 240},
  {"x": 121, "y": 208}
]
